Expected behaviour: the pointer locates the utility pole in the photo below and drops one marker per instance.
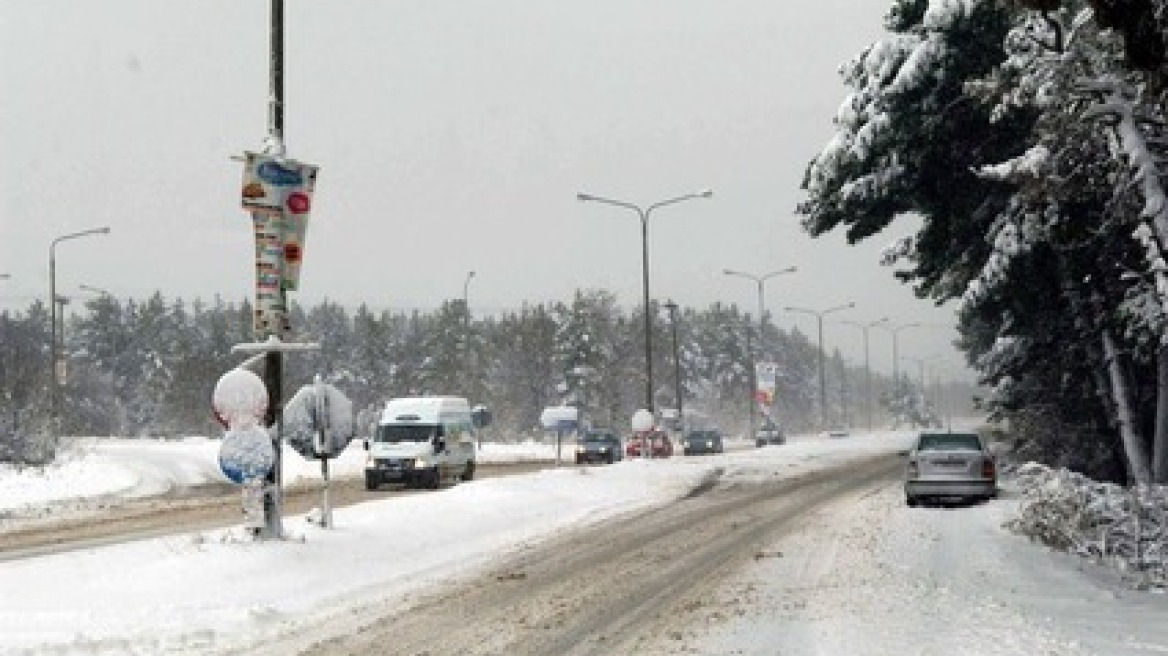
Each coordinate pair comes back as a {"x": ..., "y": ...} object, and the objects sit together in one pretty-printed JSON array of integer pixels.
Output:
[
  {"x": 273, "y": 375},
  {"x": 672, "y": 307}
]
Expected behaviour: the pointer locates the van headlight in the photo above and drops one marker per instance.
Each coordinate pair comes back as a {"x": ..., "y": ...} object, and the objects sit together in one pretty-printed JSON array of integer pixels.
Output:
[{"x": 420, "y": 463}]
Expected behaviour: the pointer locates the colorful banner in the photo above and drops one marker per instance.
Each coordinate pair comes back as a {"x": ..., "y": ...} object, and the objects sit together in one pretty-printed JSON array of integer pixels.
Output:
[
  {"x": 281, "y": 188},
  {"x": 271, "y": 311},
  {"x": 278, "y": 193},
  {"x": 766, "y": 377}
]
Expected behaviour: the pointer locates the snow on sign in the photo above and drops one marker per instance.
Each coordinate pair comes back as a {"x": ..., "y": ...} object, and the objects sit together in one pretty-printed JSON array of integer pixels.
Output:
[
  {"x": 240, "y": 399},
  {"x": 246, "y": 454},
  {"x": 318, "y": 421}
]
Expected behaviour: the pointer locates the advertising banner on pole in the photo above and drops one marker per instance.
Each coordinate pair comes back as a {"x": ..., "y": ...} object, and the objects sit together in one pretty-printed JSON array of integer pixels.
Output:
[
  {"x": 766, "y": 373},
  {"x": 271, "y": 312},
  {"x": 278, "y": 193},
  {"x": 281, "y": 188}
]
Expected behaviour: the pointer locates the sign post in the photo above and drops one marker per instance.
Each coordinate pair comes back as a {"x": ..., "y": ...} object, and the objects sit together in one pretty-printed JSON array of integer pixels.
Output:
[
  {"x": 319, "y": 424},
  {"x": 277, "y": 191}
]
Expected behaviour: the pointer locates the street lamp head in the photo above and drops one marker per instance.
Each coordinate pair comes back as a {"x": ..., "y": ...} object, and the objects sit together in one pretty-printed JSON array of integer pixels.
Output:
[
  {"x": 584, "y": 197},
  {"x": 706, "y": 193}
]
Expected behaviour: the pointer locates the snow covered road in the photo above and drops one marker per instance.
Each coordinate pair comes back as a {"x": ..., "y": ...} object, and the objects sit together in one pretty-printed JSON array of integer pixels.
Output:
[
  {"x": 854, "y": 573},
  {"x": 870, "y": 577}
]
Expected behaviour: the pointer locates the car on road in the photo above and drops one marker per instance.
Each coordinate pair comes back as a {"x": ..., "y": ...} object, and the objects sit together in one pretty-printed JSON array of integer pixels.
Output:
[
  {"x": 702, "y": 441},
  {"x": 769, "y": 433},
  {"x": 950, "y": 466},
  {"x": 598, "y": 446},
  {"x": 659, "y": 445}
]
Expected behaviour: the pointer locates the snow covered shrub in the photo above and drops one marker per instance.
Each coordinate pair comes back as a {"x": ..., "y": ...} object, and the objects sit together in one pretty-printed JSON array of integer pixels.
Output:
[{"x": 1122, "y": 527}]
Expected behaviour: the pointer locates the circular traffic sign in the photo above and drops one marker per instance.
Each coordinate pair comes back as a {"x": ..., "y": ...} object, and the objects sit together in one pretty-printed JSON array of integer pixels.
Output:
[
  {"x": 246, "y": 454},
  {"x": 240, "y": 399}
]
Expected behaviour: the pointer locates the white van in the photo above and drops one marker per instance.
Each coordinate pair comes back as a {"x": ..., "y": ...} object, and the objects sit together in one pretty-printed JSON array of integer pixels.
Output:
[{"x": 421, "y": 441}]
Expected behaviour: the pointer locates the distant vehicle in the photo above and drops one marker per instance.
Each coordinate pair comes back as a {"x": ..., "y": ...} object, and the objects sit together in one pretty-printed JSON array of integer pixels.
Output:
[
  {"x": 598, "y": 446},
  {"x": 769, "y": 434},
  {"x": 659, "y": 445},
  {"x": 421, "y": 441},
  {"x": 838, "y": 431},
  {"x": 950, "y": 466},
  {"x": 702, "y": 441}
]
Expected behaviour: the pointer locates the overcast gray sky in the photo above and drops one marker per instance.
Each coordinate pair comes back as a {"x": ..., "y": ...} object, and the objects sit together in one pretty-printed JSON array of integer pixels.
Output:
[{"x": 452, "y": 135}]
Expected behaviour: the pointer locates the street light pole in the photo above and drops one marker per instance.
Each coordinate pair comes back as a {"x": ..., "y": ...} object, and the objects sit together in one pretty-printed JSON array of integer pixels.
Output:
[
  {"x": 895, "y": 330},
  {"x": 819, "y": 315},
  {"x": 54, "y": 382},
  {"x": 867, "y": 365},
  {"x": 466, "y": 327},
  {"x": 672, "y": 307},
  {"x": 758, "y": 281},
  {"x": 644, "y": 214}
]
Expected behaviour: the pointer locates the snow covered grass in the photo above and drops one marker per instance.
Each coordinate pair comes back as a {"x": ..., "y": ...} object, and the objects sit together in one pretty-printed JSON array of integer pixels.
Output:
[{"x": 1126, "y": 528}]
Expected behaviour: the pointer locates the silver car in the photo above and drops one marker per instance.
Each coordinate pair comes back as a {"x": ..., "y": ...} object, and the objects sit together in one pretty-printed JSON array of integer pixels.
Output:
[{"x": 945, "y": 466}]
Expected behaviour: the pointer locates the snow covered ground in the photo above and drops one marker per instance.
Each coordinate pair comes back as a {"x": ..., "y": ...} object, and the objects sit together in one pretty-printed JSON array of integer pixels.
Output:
[{"x": 874, "y": 578}]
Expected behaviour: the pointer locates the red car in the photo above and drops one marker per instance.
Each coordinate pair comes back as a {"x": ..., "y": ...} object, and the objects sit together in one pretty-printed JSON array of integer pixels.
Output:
[{"x": 660, "y": 446}]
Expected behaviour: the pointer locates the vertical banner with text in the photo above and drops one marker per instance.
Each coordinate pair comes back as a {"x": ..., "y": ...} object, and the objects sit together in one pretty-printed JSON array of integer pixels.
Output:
[
  {"x": 278, "y": 193},
  {"x": 766, "y": 373}
]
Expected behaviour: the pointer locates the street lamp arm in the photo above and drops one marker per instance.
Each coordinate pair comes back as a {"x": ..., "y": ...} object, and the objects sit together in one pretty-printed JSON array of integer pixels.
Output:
[
  {"x": 779, "y": 272},
  {"x": 609, "y": 201},
  {"x": 732, "y": 272},
  {"x": 790, "y": 308},
  {"x": 104, "y": 230},
  {"x": 95, "y": 290},
  {"x": 845, "y": 306},
  {"x": 705, "y": 193}
]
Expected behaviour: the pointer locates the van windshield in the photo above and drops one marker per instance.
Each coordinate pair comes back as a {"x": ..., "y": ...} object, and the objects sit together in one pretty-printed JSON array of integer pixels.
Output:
[{"x": 394, "y": 433}]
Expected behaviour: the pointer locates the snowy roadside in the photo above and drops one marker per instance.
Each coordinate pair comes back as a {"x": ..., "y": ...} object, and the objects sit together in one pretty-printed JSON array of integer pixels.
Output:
[
  {"x": 97, "y": 470},
  {"x": 877, "y": 578},
  {"x": 212, "y": 591}
]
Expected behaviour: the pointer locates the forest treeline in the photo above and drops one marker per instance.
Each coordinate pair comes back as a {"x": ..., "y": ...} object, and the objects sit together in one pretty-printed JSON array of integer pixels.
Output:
[{"x": 147, "y": 368}]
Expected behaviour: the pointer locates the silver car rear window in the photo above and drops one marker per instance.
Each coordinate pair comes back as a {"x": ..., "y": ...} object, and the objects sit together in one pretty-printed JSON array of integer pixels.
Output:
[{"x": 949, "y": 442}]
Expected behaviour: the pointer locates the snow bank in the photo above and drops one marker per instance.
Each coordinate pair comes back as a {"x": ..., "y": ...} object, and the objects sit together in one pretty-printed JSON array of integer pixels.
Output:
[{"x": 1125, "y": 528}]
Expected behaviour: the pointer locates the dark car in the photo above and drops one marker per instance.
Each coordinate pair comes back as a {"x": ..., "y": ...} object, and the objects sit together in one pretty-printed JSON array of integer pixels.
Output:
[
  {"x": 598, "y": 446},
  {"x": 950, "y": 466},
  {"x": 769, "y": 433},
  {"x": 660, "y": 446},
  {"x": 702, "y": 441}
]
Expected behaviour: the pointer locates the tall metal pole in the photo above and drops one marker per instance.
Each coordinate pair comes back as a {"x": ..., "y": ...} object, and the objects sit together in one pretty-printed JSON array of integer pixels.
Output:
[
  {"x": 822, "y": 377},
  {"x": 672, "y": 307},
  {"x": 759, "y": 282},
  {"x": 895, "y": 330},
  {"x": 867, "y": 365},
  {"x": 648, "y": 318},
  {"x": 273, "y": 360},
  {"x": 276, "y": 119},
  {"x": 819, "y": 315},
  {"x": 752, "y": 382},
  {"x": 54, "y": 346},
  {"x": 643, "y": 215},
  {"x": 466, "y": 331}
]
